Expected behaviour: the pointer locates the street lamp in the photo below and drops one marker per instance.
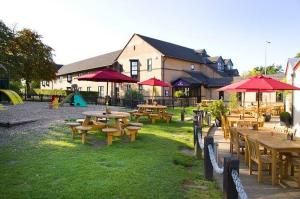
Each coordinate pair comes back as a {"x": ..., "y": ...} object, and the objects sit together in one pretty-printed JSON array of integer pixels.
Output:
[{"x": 266, "y": 46}]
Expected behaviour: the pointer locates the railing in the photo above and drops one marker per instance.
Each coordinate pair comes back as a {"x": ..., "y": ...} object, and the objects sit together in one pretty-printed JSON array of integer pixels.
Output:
[
  {"x": 232, "y": 185},
  {"x": 113, "y": 101}
]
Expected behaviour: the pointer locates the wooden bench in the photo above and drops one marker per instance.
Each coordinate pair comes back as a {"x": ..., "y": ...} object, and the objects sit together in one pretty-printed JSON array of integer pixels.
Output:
[
  {"x": 110, "y": 133},
  {"x": 80, "y": 121},
  {"x": 167, "y": 117},
  {"x": 132, "y": 131},
  {"x": 73, "y": 126},
  {"x": 137, "y": 115},
  {"x": 82, "y": 130},
  {"x": 132, "y": 112},
  {"x": 153, "y": 117},
  {"x": 135, "y": 124}
]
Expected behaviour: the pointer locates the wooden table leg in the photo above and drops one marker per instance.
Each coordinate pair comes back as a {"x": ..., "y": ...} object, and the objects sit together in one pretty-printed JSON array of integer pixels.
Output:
[
  {"x": 274, "y": 177},
  {"x": 83, "y": 137},
  {"x": 86, "y": 121}
]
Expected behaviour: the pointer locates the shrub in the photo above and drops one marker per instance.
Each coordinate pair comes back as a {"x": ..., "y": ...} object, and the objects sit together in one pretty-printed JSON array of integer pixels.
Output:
[
  {"x": 286, "y": 118},
  {"x": 217, "y": 108},
  {"x": 233, "y": 101},
  {"x": 133, "y": 95},
  {"x": 179, "y": 93}
]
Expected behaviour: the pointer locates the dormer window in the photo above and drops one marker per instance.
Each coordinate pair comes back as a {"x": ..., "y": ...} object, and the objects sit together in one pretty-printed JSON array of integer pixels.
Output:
[
  {"x": 192, "y": 67},
  {"x": 220, "y": 67}
]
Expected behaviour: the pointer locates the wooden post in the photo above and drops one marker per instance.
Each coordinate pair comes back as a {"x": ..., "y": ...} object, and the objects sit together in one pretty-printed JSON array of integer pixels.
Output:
[
  {"x": 208, "y": 168},
  {"x": 198, "y": 150},
  {"x": 228, "y": 184}
]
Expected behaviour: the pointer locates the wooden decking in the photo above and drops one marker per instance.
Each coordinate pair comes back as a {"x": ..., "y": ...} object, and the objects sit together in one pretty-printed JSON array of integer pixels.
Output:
[{"x": 253, "y": 189}]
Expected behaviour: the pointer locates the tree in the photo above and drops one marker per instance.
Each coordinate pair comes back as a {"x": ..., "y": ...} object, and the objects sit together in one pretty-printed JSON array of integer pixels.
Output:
[
  {"x": 273, "y": 69},
  {"x": 6, "y": 40},
  {"x": 297, "y": 55},
  {"x": 34, "y": 58}
]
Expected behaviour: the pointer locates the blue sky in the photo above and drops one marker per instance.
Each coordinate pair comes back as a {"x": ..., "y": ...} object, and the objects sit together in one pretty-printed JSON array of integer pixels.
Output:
[{"x": 235, "y": 29}]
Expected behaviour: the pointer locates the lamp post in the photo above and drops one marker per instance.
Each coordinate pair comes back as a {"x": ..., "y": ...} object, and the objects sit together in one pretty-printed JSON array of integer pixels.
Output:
[{"x": 266, "y": 46}]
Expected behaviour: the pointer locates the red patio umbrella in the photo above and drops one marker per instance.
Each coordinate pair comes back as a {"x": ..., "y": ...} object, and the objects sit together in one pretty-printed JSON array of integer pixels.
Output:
[
  {"x": 107, "y": 75},
  {"x": 258, "y": 84},
  {"x": 154, "y": 82}
]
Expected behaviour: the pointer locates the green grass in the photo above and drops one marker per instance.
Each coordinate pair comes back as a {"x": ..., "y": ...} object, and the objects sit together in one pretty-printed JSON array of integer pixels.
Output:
[{"x": 55, "y": 166}]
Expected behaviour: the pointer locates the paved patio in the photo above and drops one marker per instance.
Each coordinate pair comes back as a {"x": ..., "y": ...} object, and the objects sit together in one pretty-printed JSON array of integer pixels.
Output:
[{"x": 254, "y": 190}]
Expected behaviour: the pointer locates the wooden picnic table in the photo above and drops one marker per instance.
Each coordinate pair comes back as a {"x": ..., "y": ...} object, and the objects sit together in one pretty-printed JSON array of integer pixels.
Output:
[
  {"x": 275, "y": 142},
  {"x": 102, "y": 114},
  {"x": 235, "y": 120},
  {"x": 152, "y": 106}
]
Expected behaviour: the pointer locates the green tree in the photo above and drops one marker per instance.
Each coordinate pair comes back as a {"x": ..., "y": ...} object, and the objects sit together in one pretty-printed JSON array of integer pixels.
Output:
[
  {"x": 6, "y": 40},
  {"x": 297, "y": 55},
  {"x": 34, "y": 58},
  {"x": 260, "y": 70}
]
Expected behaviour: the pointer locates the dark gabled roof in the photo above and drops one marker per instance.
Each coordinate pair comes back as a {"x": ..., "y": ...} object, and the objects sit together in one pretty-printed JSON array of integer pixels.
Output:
[
  {"x": 214, "y": 59},
  {"x": 232, "y": 72},
  {"x": 209, "y": 82},
  {"x": 226, "y": 61},
  {"x": 174, "y": 50},
  {"x": 58, "y": 66},
  {"x": 219, "y": 82},
  {"x": 91, "y": 63}
]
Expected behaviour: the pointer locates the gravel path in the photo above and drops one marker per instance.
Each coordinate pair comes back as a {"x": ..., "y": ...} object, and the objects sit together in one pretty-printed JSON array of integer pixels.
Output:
[{"x": 43, "y": 116}]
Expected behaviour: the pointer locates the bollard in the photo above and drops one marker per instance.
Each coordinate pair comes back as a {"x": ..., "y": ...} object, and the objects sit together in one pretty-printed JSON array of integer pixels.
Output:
[
  {"x": 208, "y": 168},
  {"x": 198, "y": 150},
  {"x": 228, "y": 184},
  {"x": 208, "y": 119}
]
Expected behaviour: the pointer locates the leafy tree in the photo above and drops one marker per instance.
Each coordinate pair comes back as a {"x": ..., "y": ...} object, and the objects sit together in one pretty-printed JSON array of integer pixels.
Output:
[
  {"x": 34, "y": 58},
  {"x": 297, "y": 55},
  {"x": 273, "y": 69},
  {"x": 6, "y": 39}
]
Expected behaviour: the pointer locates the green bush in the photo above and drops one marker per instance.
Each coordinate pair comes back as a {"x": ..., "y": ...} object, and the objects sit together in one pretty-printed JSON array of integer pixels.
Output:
[
  {"x": 16, "y": 86},
  {"x": 233, "y": 101},
  {"x": 179, "y": 93},
  {"x": 286, "y": 118},
  {"x": 133, "y": 95},
  {"x": 217, "y": 108}
]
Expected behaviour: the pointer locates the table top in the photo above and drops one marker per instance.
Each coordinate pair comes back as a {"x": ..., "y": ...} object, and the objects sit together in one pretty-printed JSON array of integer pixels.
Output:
[
  {"x": 268, "y": 138},
  {"x": 151, "y": 106},
  {"x": 234, "y": 115},
  {"x": 252, "y": 119},
  {"x": 102, "y": 114}
]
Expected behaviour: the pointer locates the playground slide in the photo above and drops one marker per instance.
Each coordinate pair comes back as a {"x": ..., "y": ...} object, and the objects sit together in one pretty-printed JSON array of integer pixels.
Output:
[
  {"x": 79, "y": 101},
  {"x": 67, "y": 99},
  {"x": 13, "y": 96}
]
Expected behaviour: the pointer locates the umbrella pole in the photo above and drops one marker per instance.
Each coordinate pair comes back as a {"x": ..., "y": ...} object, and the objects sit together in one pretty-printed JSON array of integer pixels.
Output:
[
  {"x": 152, "y": 94},
  {"x": 106, "y": 103},
  {"x": 244, "y": 106},
  {"x": 258, "y": 107}
]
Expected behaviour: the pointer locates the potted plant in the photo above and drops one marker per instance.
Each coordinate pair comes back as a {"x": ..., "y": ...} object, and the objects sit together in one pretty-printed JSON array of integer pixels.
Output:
[
  {"x": 286, "y": 118},
  {"x": 217, "y": 109}
]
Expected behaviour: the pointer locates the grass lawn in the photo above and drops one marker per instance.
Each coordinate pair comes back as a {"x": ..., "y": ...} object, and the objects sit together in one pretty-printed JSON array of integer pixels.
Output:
[{"x": 53, "y": 165}]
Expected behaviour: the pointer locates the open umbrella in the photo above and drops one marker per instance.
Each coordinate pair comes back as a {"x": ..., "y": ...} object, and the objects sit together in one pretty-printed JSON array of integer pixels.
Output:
[
  {"x": 154, "y": 82},
  {"x": 107, "y": 75},
  {"x": 258, "y": 84}
]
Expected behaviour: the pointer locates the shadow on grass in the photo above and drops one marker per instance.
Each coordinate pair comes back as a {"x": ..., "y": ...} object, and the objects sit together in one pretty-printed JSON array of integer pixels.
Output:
[{"x": 56, "y": 166}]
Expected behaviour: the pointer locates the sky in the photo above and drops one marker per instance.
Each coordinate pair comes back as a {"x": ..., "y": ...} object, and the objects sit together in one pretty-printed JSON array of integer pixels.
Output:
[{"x": 236, "y": 29}]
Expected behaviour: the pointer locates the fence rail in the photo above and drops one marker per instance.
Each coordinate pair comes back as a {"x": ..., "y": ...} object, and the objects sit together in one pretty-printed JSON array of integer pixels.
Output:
[{"x": 232, "y": 186}]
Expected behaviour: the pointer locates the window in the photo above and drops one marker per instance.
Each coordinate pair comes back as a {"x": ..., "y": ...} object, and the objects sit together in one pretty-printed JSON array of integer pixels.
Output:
[
  {"x": 134, "y": 68},
  {"x": 140, "y": 88},
  {"x": 101, "y": 91},
  {"x": 167, "y": 93},
  {"x": 187, "y": 92},
  {"x": 69, "y": 78},
  {"x": 239, "y": 96},
  {"x": 117, "y": 91},
  {"x": 192, "y": 67},
  {"x": 43, "y": 83},
  {"x": 128, "y": 86},
  {"x": 259, "y": 95},
  {"x": 47, "y": 83},
  {"x": 149, "y": 64},
  {"x": 220, "y": 66},
  {"x": 61, "y": 79},
  {"x": 88, "y": 89},
  {"x": 279, "y": 96},
  {"x": 221, "y": 95}
]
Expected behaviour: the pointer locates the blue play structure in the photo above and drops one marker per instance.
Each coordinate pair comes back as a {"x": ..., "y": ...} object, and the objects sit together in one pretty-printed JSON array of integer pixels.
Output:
[{"x": 75, "y": 98}]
